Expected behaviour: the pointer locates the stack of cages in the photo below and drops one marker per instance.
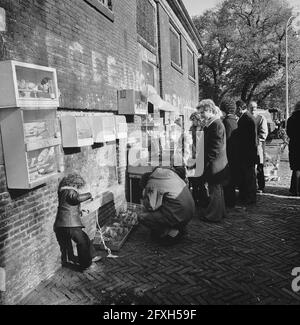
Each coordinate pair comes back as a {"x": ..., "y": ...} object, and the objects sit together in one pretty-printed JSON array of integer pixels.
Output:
[{"x": 30, "y": 129}]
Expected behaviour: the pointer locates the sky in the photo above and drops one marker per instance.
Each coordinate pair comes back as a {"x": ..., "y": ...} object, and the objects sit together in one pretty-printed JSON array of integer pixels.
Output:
[{"x": 197, "y": 7}]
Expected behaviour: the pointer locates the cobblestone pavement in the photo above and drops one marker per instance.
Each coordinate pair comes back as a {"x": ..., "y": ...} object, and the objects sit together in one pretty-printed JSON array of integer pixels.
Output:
[{"x": 246, "y": 259}]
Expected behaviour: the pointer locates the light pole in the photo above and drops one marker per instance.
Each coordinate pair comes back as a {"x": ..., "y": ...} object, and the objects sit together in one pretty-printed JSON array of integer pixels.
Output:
[
  {"x": 287, "y": 71},
  {"x": 287, "y": 68}
]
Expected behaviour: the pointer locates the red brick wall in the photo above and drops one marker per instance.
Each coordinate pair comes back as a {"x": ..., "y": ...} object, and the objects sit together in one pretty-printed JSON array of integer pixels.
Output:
[{"x": 93, "y": 57}]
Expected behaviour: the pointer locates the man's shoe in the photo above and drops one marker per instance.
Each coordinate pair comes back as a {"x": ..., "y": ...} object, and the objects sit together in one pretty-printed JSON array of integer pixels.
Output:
[
  {"x": 239, "y": 208},
  {"x": 74, "y": 260},
  {"x": 168, "y": 240},
  {"x": 70, "y": 261},
  {"x": 96, "y": 259},
  {"x": 173, "y": 233}
]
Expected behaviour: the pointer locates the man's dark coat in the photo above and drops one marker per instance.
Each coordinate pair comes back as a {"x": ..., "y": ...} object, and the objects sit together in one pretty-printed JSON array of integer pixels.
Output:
[
  {"x": 293, "y": 132},
  {"x": 246, "y": 136}
]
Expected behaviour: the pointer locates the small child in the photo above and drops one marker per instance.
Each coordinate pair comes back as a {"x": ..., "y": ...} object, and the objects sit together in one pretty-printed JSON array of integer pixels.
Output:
[{"x": 68, "y": 225}]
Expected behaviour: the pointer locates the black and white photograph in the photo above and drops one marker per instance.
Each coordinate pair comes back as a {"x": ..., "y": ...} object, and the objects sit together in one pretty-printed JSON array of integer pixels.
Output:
[{"x": 149, "y": 155}]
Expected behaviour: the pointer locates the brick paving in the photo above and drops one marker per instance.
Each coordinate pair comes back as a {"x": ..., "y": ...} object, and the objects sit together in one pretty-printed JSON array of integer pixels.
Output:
[{"x": 246, "y": 260}]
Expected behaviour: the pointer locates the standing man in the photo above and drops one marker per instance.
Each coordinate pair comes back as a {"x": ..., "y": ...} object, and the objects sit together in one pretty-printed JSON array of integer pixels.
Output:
[
  {"x": 216, "y": 171},
  {"x": 230, "y": 123},
  {"x": 262, "y": 134},
  {"x": 293, "y": 132},
  {"x": 247, "y": 154}
]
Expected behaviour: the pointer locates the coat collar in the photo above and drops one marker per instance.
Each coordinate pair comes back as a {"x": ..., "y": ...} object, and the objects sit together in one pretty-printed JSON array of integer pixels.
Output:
[{"x": 211, "y": 121}]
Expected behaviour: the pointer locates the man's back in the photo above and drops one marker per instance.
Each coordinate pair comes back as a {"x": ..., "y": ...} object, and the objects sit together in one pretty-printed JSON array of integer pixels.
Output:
[
  {"x": 230, "y": 123},
  {"x": 175, "y": 198},
  {"x": 262, "y": 127},
  {"x": 247, "y": 138}
]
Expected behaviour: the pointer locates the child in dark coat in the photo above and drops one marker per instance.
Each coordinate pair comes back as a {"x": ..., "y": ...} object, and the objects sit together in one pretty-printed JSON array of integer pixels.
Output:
[{"x": 68, "y": 225}]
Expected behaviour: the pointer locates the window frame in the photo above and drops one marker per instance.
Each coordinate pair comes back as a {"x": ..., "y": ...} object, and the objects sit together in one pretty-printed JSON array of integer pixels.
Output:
[
  {"x": 177, "y": 33},
  {"x": 142, "y": 40},
  {"x": 189, "y": 51},
  {"x": 103, "y": 9},
  {"x": 152, "y": 66}
]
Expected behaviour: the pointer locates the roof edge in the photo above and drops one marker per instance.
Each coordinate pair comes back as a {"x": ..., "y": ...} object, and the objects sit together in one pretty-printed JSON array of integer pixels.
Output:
[{"x": 180, "y": 10}]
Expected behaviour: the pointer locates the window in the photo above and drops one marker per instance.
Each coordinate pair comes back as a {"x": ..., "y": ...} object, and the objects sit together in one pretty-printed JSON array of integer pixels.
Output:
[
  {"x": 105, "y": 7},
  {"x": 148, "y": 72},
  {"x": 146, "y": 21},
  {"x": 175, "y": 44},
  {"x": 191, "y": 64}
]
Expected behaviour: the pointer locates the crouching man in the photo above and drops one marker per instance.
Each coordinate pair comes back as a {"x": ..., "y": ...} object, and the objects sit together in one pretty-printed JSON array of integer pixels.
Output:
[{"x": 168, "y": 202}]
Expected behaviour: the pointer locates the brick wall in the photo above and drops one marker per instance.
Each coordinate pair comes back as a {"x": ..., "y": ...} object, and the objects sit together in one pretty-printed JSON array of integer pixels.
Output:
[
  {"x": 177, "y": 88},
  {"x": 93, "y": 57}
]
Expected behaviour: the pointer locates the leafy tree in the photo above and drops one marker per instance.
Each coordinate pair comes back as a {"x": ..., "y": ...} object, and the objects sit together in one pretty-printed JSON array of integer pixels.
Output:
[{"x": 244, "y": 49}]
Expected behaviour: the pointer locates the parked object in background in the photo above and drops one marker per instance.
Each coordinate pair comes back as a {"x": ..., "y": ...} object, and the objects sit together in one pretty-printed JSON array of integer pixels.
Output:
[{"x": 273, "y": 156}]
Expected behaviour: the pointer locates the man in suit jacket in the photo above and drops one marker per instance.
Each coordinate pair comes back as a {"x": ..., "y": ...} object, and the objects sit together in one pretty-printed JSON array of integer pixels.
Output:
[
  {"x": 247, "y": 154},
  {"x": 293, "y": 132},
  {"x": 262, "y": 134},
  {"x": 230, "y": 123},
  {"x": 215, "y": 160}
]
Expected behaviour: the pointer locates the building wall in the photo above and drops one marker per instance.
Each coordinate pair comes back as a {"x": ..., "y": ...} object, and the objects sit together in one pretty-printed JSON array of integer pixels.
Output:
[
  {"x": 177, "y": 88},
  {"x": 94, "y": 57}
]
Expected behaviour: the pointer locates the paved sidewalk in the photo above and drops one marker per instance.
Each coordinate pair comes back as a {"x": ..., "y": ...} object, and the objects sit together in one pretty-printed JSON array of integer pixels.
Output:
[{"x": 247, "y": 259}]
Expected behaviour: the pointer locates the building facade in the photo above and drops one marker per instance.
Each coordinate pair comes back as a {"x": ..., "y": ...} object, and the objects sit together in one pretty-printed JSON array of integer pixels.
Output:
[{"x": 98, "y": 48}]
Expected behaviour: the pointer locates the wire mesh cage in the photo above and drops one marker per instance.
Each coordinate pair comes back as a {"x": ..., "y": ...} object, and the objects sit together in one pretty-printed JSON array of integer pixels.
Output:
[
  {"x": 273, "y": 153},
  {"x": 116, "y": 230},
  {"x": 134, "y": 207}
]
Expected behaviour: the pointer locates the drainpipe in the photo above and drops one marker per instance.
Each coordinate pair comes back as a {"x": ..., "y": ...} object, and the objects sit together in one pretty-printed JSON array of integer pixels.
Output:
[{"x": 158, "y": 7}]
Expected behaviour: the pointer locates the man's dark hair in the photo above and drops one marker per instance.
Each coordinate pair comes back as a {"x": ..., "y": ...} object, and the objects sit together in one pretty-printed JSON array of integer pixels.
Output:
[
  {"x": 297, "y": 106},
  {"x": 241, "y": 104},
  {"x": 228, "y": 106}
]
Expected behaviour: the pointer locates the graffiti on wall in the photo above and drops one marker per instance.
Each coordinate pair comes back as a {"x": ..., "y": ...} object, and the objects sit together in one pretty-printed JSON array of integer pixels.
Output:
[{"x": 105, "y": 75}]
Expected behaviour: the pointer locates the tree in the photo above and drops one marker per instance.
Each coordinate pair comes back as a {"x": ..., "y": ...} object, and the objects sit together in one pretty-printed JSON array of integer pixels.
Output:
[{"x": 244, "y": 46}]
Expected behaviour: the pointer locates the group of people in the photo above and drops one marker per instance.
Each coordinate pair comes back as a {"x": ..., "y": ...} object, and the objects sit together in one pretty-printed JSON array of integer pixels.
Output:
[{"x": 234, "y": 145}]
